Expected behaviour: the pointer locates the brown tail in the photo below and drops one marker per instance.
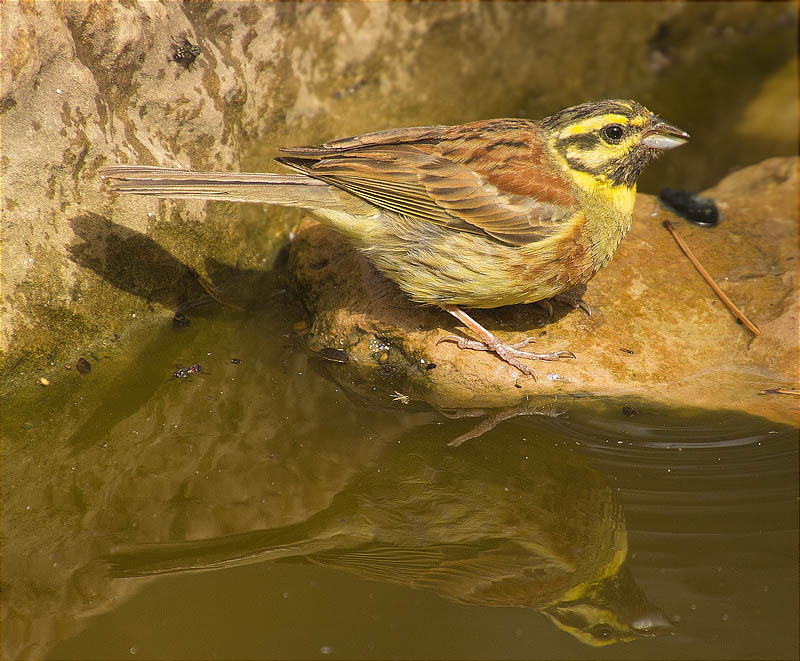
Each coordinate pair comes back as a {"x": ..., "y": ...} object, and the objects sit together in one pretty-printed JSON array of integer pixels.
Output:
[{"x": 286, "y": 190}]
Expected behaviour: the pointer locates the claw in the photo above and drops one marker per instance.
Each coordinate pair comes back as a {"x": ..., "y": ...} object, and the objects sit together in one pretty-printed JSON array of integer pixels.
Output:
[
  {"x": 464, "y": 342},
  {"x": 553, "y": 356},
  {"x": 574, "y": 302},
  {"x": 548, "y": 307},
  {"x": 522, "y": 367}
]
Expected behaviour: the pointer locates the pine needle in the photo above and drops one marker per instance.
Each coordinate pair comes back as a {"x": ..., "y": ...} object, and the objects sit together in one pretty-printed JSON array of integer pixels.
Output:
[
  {"x": 780, "y": 391},
  {"x": 714, "y": 286}
]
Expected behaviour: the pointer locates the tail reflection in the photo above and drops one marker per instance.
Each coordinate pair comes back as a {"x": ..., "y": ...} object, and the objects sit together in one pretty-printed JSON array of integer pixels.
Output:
[{"x": 542, "y": 531}]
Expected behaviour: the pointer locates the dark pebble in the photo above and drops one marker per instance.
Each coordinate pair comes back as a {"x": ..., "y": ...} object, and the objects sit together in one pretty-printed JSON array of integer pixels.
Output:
[
  {"x": 698, "y": 210},
  {"x": 83, "y": 366},
  {"x": 180, "y": 320}
]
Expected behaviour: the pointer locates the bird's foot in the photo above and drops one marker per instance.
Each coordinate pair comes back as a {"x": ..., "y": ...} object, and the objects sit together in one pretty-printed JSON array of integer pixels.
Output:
[
  {"x": 548, "y": 307},
  {"x": 509, "y": 353},
  {"x": 574, "y": 302}
]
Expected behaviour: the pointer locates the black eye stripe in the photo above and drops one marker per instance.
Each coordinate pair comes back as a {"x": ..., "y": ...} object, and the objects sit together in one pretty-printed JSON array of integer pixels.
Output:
[{"x": 584, "y": 141}]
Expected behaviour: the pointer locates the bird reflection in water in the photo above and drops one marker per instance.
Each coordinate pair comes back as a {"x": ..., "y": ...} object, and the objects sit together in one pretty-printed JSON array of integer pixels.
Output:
[{"x": 530, "y": 526}]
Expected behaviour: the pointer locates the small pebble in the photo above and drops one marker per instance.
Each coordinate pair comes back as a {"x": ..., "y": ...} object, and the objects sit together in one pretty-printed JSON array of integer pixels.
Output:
[
  {"x": 43, "y": 381},
  {"x": 383, "y": 358},
  {"x": 628, "y": 410},
  {"x": 83, "y": 366},
  {"x": 180, "y": 320}
]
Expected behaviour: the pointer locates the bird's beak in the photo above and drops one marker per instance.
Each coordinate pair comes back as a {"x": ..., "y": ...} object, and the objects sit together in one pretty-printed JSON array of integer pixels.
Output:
[
  {"x": 664, "y": 136},
  {"x": 654, "y": 623}
]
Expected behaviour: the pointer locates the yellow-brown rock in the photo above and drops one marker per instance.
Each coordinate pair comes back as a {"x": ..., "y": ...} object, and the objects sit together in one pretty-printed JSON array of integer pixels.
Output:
[{"x": 658, "y": 332}]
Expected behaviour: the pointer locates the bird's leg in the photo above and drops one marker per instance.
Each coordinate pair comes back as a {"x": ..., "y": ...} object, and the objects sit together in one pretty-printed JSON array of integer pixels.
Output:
[{"x": 507, "y": 352}]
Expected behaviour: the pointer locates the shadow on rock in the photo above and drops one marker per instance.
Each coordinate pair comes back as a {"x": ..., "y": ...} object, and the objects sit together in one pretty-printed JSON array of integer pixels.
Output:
[
  {"x": 135, "y": 263},
  {"x": 130, "y": 260}
]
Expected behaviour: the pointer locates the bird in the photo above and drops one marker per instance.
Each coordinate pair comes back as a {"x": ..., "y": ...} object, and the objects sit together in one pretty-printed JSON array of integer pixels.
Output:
[
  {"x": 492, "y": 531},
  {"x": 479, "y": 215}
]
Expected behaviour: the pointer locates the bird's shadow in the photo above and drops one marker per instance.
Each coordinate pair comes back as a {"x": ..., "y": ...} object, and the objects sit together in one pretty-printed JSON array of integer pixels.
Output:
[{"x": 135, "y": 263}]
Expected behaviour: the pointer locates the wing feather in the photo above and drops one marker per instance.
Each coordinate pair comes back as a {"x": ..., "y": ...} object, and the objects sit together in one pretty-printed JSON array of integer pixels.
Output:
[{"x": 492, "y": 178}]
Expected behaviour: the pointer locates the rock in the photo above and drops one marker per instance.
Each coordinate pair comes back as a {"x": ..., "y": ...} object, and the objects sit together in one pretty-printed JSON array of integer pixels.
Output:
[
  {"x": 658, "y": 333},
  {"x": 85, "y": 85}
]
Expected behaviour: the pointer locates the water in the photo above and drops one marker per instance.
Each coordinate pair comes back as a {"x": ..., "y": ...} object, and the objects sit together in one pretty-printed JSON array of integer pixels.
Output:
[
  {"x": 319, "y": 524},
  {"x": 323, "y": 522}
]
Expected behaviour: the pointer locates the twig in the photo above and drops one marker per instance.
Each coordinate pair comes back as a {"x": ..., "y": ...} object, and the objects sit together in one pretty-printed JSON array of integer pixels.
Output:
[
  {"x": 736, "y": 311},
  {"x": 780, "y": 391}
]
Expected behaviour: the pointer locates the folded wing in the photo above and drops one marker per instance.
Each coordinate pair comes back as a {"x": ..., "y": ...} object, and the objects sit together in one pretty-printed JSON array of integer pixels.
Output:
[{"x": 492, "y": 178}]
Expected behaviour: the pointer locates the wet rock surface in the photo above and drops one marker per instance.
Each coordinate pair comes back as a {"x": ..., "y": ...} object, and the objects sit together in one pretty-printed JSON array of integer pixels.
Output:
[{"x": 658, "y": 332}]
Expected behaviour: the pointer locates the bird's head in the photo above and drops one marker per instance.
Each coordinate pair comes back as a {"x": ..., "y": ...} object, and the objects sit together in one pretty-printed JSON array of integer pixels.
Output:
[
  {"x": 611, "y": 141},
  {"x": 610, "y": 610}
]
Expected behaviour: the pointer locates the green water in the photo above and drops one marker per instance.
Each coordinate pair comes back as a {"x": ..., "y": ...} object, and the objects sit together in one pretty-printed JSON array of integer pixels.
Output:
[
  {"x": 264, "y": 509},
  {"x": 320, "y": 523}
]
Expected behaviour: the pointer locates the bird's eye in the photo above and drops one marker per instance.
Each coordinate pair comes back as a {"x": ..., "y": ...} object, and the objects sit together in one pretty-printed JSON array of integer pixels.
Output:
[
  {"x": 601, "y": 631},
  {"x": 613, "y": 133}
]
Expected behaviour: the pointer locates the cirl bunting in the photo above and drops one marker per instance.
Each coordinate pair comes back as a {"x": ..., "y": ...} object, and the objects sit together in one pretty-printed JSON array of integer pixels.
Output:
[{"x": 485, "y": 214}]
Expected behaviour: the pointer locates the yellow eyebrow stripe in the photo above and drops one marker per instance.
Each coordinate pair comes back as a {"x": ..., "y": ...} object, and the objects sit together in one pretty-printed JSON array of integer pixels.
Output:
[{"x": 592, "y": 124}]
